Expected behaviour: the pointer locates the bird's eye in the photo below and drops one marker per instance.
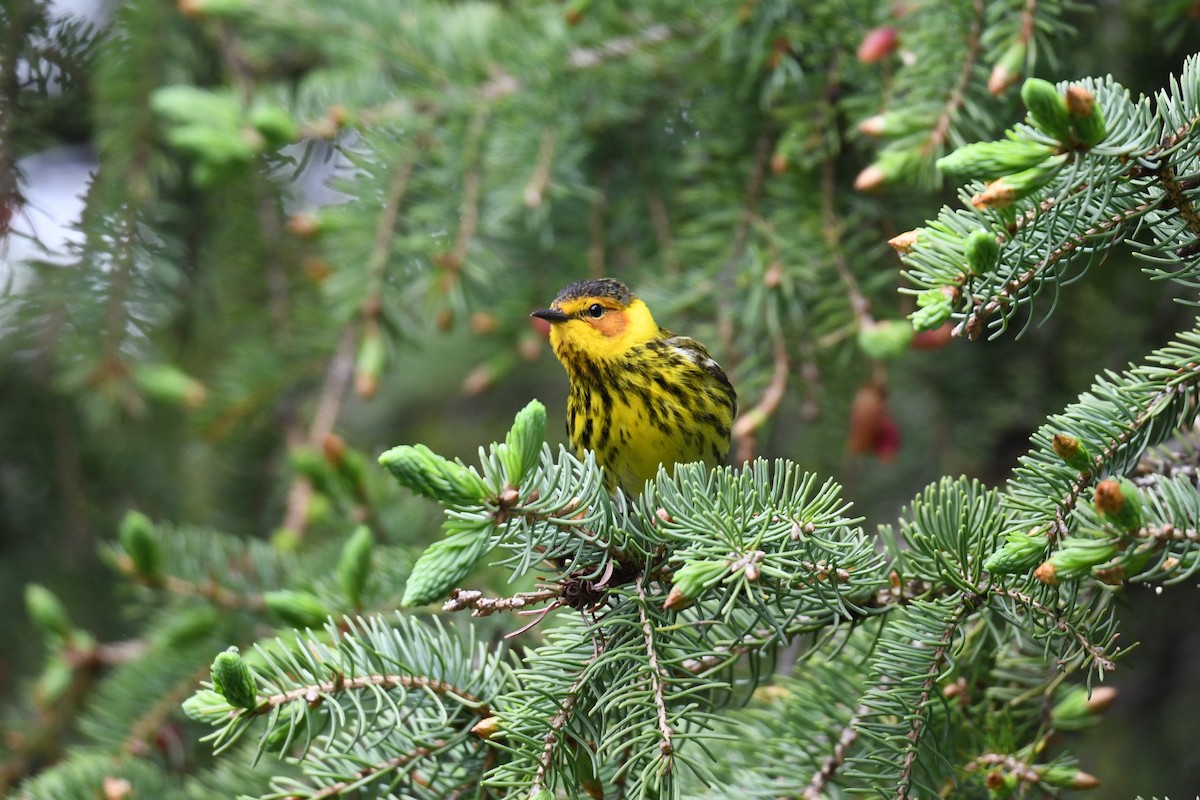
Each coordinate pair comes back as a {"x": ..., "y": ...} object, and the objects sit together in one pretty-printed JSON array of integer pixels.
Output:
[{"x": 595, "y": 310}]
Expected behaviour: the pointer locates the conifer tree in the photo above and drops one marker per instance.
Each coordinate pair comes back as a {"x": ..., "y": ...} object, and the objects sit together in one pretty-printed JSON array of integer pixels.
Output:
[{"x": 299, "y": 209}]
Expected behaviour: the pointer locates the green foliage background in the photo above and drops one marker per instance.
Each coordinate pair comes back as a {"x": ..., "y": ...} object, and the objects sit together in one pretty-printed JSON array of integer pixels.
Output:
[{"x": 192, "y": 356}]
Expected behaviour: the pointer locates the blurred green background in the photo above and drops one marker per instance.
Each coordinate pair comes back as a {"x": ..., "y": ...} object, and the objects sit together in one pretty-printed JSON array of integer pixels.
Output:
[{"x": 245, "y": 280}]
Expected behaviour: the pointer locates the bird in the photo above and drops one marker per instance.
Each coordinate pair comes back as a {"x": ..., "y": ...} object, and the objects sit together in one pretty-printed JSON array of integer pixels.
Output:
[{"x": 639, "y": 396}]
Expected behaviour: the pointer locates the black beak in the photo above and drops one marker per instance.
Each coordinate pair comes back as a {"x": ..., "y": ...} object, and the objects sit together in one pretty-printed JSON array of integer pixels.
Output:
[{"x": 550, "y": 315}]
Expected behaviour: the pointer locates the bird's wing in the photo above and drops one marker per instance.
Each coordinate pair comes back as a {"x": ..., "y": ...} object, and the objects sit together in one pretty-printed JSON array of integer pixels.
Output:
[{"x": 698, "y": 354}]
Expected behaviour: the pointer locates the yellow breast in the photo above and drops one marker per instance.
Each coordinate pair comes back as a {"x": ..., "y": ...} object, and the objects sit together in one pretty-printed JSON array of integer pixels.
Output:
[
  {"x": 640, "y": 397},
  {"x": 665, "y": 404}
]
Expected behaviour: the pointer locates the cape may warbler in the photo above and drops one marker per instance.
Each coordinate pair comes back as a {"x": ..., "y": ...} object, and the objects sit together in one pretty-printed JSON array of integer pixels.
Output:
[{"x": 640, "y": 395}]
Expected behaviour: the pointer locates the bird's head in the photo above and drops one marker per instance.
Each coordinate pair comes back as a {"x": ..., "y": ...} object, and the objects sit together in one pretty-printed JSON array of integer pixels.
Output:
[{"x": 597, "y": 320}]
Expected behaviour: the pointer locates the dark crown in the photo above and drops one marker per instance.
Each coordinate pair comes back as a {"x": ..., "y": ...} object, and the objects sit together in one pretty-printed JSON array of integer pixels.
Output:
[{"x": 601, "y": 287}]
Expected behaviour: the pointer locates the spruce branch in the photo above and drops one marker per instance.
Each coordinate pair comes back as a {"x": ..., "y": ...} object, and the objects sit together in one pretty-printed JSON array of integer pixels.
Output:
[
  {"x": 939, "y": 134},
  {"x": 657, "y": 682},
  {"x": 371, "y": 360},
  {"x": 385, "y": 232},
  {"x": 191, "y": 560},
  {"x": 143, "y": 731},
  {"x": 1014, "y": 766},
  {"x": 84, "y": 662},
  {"x": 481, "y": 606},
  {"x": 437, "y": 682},
  {"x": 1168, "y": 533},
  {"x": 374, "y": 771},
  {"x": 428, "y": 767},
  {"x": 832, "y": 227},
  {"x": 1006, "y": 298},
  {"x": 1118, "y": 418},
  {"x": 123, "y": 265},
  {"x": 554, "y": 730},
  {"x": 1065, "y": 210},
  {"x": 1171, "y": 508},
  {"x": 904, "y": 669},
  {"x": 1176, "y": 196},
  {"x": 208, "y": 589},
  {"x": 312, "y": 693},
  {"x": 936, "y": 663},
  {"x": 935, "y": 101},
  {"x": 1165, "y": 464},
  {"x": 1057, "y": 620},
  {"x": 816, "y": 787},
  {"x": 453, "y": 261},
  {"x": 128, "y": 71},
  {"x": 564, "y": 517}
]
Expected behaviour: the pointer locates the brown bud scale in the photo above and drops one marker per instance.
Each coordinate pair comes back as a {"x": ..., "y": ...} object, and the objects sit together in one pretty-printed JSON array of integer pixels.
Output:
[{"x": 1108, "y": 498}]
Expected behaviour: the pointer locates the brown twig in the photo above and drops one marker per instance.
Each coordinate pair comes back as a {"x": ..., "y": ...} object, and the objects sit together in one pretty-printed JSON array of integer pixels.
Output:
[
  {"x": 42, "y": 742},
  {"x": 666, "y": 744},
  {"x": 1023, "y": 771},
  {"x": 1096, "y": 652},
  {"x": 1151, "y": 411},
  {"x": 749, "y": 422},
  {"x": 1178, "y": 197},
  {"x": 1028, "y": 21},
  {"x": 1168, "y": 533},
  {"x": 209, "y": 590},
  {"x": 752, "y": 194},
  {"x": 972, "y": 326},
  {"x": 919, "y": 713},
  {"x": 815, "y": 789},
  {"x": 385, "y": 232},
  {"x": 329, "y": 405},
  {"x": 312, "y": 693},
  {"x": 832, "y": 226},
  {"x": 396, "y": 762},
  {"x": 481, "y": 606},
  {"x": 559, "y": 721},
  {"x": 472, "y": 183},
  {"x": 940, "y": 131},
  {"x": 146, "y": 727},
  {"x": 1153, "y": 467}
]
